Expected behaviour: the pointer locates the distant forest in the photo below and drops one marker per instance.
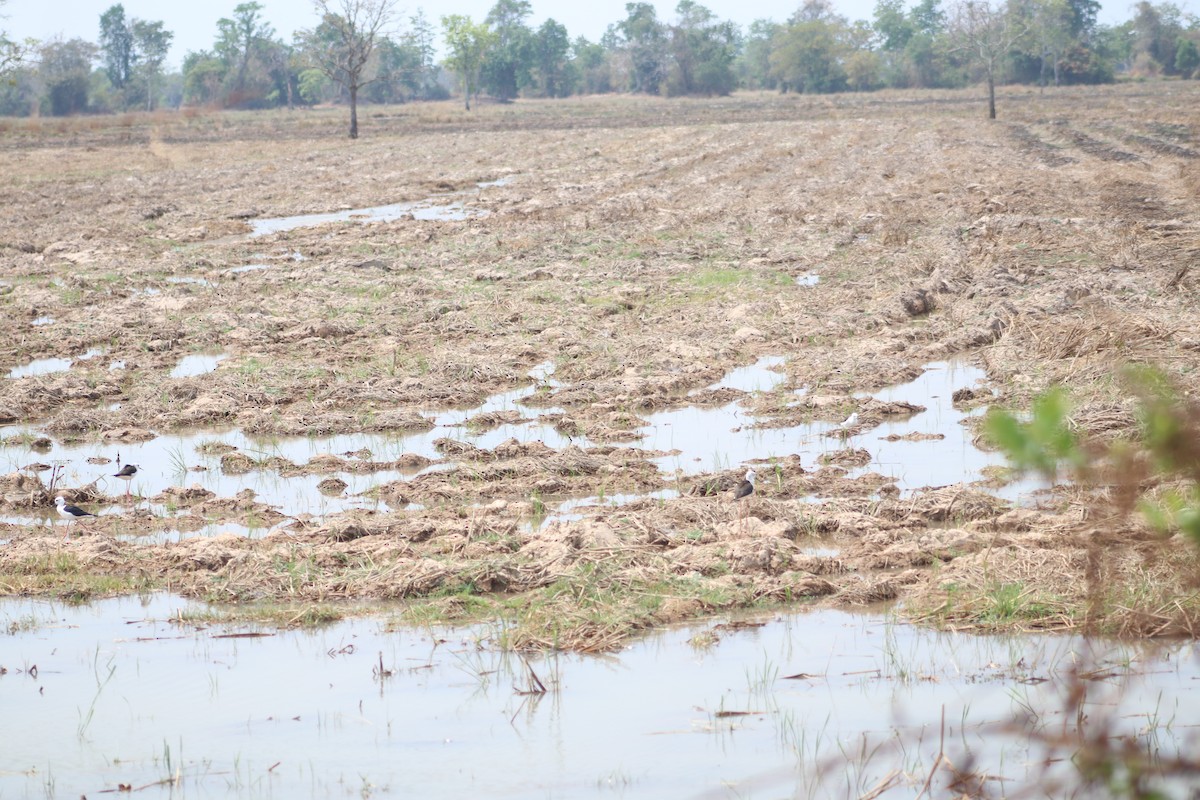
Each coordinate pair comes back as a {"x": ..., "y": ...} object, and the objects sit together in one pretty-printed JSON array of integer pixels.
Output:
[{"x": 815, "y": 50}]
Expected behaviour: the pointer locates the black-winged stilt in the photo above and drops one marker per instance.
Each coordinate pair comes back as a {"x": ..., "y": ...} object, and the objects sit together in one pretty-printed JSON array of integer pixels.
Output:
[
  {"x": 126, "y": 474},
  {"x": 68, "y": 511},
  {"x": 746, "y": 487}
]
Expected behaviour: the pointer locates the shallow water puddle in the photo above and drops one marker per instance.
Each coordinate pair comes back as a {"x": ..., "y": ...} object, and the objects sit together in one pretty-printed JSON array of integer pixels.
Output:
[
  {"x": 726, "y": 437},
  {"x": 121, "y": 695},
  {"x": 246, "y": 268},
  {"x": 173, "y": 459},
  {"x": 706, "y": 438},
  {"x": 43, "y": 321},
  {"x": 110, "y": 513},
  {"x": 197, "y": 364},
  {"x": 761, "y": 376},
  {"x": 933, "y": 462},
  {"x": 564, "y": 511},
  {"x": 183, "y": 279},
  {"x": 41, "y": 366},
  {"x": 91, "y": 352},
  {"x": 718, "y": 438},
  {"x": 811, "y": 279},
  {"x": 429, "y": 209},
  {"x": 48, "y": 366},
  {"x": 525, "y": 431},
  {"x": 204, "y": 531}
]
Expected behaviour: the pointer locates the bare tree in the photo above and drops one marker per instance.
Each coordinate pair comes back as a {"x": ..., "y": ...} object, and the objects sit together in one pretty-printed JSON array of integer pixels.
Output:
[
  {"x": 342, "y": 44},
  {"x": 986, "y": 33}
]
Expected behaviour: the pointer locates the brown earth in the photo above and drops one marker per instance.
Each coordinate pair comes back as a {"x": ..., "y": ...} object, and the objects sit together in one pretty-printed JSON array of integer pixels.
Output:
[{"x": 645, "y": 248}]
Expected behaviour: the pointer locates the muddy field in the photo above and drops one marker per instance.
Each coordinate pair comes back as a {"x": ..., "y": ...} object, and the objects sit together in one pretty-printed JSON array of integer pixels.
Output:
[{"x": 462, "y": 405}]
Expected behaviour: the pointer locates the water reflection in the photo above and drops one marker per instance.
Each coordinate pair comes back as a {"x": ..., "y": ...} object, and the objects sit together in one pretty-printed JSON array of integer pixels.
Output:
[
  {"x": 40, "y": 366},
  {"x": 197, "y": 364},
  {"x": 826, "y": 704}
]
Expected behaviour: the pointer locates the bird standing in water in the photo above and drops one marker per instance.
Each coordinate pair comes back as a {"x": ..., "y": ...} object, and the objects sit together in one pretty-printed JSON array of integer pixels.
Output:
[
  {"x": 126, "y": 474},
  {"x": 68, "y": 511}
]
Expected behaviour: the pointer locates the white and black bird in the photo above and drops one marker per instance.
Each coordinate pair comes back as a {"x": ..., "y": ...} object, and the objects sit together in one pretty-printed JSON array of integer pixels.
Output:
[
  {"x": 126, "y": 474},
  {"x": 746, "y": 487},
  {"x": 68, "y": 511}
]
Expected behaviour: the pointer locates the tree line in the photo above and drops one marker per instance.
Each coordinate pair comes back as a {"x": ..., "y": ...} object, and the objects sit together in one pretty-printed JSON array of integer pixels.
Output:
[{"x": 359, "y": 51}]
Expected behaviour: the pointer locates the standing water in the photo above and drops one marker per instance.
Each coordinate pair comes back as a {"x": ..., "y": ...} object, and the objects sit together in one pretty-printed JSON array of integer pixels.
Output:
[{"x": 150, "y": 695}]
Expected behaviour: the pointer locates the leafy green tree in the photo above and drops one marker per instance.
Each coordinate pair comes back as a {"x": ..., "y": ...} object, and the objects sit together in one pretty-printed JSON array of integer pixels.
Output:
[
  {"x": 590, "y": 63},
  {"x": 314, "y": 86},
  {"x": 702, "y": 52},
  {"x": 508, "y": 63},
  {"x": 342, "y": 45},
  {"x": 893, "y": 25},
  {"x": 403, "y": 74},
  {"x": 116, "y": 42},
  {"x": 1155, "y": 30},
  {"x": 754, "y": 61},
  {"x": 928, "y": 18},
  {"x": 283, "y": 65},
  {"x": 1187, "y": 57},
  {"x": 203, "y": 78},
  {"x": 552, "y": 76},
  {"x": 926, "y": 52},
  {"x": 1083, "y": 18},
  {"x": 809, "y": 53},
  {"x": 642, "y": 40},
  {"x": 912, "y": 47},
  {"x": 1061, "y": 45},
  {"x": 65, "y": 68},
  {"x": 242, "y": 41},
  {"x": 14, "y": 54},
  {"x": 1050, "y": 24},
  {"x": 863, "y": 70},
  {"x": 151, "y": 43},
  {"x": 420, "y": 40},
  {"x": 468, "y": 43}
]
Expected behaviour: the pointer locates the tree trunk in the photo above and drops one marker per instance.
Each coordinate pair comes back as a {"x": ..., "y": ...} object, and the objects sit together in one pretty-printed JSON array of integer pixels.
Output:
[
  {"x": 991, "y": 96},
  {"x": 354, "y": 111}
]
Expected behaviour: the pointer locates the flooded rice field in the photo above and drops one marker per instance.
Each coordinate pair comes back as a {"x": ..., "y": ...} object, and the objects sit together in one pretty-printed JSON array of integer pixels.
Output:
[
  {"x": 615, "y": 381},
  {"x": 932, "y": 447},
  {"x": 159, "y": 695}
]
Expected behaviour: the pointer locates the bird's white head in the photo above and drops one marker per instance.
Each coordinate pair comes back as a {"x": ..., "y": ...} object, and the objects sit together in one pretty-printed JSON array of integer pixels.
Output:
[
  {"x": 60, "y": 501},
  {"x": 750, "y": 476}
]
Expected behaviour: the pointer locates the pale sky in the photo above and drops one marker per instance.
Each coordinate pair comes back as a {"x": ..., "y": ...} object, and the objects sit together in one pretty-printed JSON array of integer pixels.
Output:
[{"x": 195, "y": 23}]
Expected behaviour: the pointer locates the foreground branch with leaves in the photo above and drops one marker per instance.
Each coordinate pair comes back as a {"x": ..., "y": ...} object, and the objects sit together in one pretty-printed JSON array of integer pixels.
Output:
[{"x": 1150, "y": 478}]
